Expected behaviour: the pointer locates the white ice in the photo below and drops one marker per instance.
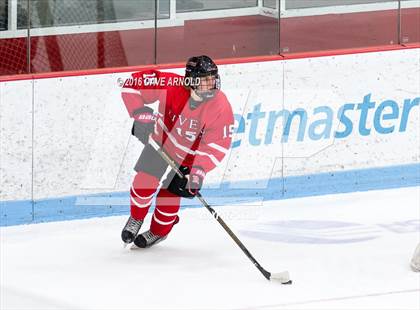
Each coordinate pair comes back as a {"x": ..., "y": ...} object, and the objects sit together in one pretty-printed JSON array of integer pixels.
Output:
[{"x": 82, "y": 265}]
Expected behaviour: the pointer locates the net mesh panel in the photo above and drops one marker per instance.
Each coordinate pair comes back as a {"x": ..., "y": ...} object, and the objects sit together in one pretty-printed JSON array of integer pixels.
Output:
[
  {"x": 47, "y": 13},
  {"x": 76, "y": 51},
  {"x": 13, "y": 58}
]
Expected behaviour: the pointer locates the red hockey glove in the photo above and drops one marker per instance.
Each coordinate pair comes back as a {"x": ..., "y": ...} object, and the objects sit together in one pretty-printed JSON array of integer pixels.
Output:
[
  {"x": 144, "y": 124},
  {"x": 195, "y": 180}
]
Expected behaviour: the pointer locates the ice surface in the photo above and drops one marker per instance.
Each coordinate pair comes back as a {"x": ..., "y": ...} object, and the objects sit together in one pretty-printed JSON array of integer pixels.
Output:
[{"x": 347, "y": 251}]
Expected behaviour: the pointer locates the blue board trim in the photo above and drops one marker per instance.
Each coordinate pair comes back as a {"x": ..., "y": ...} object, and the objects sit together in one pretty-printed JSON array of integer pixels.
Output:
[{"x": 108, "y": 204}]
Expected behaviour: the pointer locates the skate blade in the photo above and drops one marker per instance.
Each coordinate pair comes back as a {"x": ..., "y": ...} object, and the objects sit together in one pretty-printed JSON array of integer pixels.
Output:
[{"x": 134, "y": 247}]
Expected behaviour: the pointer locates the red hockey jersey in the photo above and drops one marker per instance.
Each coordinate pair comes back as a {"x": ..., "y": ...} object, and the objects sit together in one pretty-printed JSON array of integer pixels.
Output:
[{"x": 199, "y": 137}]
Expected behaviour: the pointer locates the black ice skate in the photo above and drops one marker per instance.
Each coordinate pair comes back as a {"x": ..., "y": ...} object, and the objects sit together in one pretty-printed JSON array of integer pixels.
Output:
[
  {"x": 130, "y": 230},
  {"x": 147, "y": 239}
]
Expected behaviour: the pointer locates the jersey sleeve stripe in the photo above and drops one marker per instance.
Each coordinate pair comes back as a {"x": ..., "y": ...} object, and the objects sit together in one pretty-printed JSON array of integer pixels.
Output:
[
  {"x": 212, "y": 157},
  {"x": 130, "y": 91},
  {"x": 184, "y": 148},
  {"x": 173, "y": 139},
  {"x": 218, "y": 147}
]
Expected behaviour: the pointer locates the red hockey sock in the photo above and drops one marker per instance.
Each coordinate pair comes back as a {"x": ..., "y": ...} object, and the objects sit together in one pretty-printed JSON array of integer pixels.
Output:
[
  {"x": 141, "y": 194},
  {"x": 165, "y": 215}
]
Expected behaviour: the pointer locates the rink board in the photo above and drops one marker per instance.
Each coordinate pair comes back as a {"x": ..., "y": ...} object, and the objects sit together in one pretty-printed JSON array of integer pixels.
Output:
[
  {"x": 108, "y": 204},
  {"x": 320, "y": 122}
]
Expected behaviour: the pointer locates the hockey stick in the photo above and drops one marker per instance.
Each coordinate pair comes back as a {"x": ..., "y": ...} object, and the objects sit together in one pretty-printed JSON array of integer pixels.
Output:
[{"x": 283, "y": 277}]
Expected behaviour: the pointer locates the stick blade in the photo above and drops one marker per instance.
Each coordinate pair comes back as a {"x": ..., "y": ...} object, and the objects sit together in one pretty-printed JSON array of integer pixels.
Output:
[{"x": 283, "y": 277}]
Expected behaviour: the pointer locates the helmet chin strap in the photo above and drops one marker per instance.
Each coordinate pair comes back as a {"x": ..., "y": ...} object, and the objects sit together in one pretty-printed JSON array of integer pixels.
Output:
[
  {"x": 195, "y": 100},
  {"x": 194, "y": 104}
]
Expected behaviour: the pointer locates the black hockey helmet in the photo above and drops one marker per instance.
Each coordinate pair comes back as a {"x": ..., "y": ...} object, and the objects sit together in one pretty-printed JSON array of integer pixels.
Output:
[{"x": 201, "y": 67}]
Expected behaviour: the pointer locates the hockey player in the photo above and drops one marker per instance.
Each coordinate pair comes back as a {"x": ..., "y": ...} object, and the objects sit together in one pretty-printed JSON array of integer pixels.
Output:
[{"x": 193, "y": 125}]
